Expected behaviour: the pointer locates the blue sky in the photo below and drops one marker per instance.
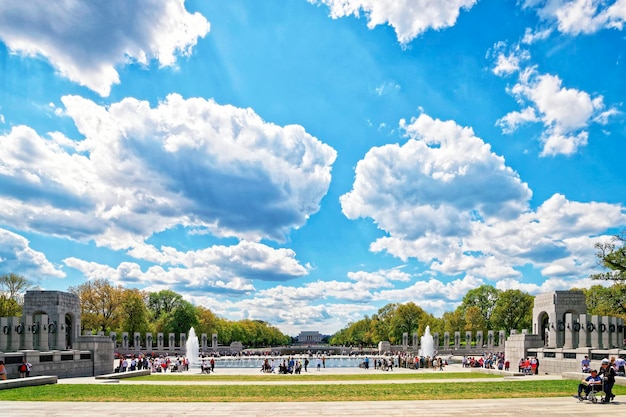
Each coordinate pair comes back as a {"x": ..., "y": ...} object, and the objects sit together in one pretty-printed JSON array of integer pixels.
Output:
[{"x": 306, "y": 162}]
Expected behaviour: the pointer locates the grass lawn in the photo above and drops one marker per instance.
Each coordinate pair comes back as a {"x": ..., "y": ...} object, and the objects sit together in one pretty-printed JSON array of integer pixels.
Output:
[
  {"x": 316, "y": 377},
  {"x": 299, "y": 392}
]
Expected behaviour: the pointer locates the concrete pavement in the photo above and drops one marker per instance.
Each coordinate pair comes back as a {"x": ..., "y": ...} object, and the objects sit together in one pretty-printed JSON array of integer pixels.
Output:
[{"x": 569, "y": 407}]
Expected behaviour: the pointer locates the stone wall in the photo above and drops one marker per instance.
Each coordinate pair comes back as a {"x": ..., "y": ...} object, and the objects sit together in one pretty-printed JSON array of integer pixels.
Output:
[
  {"x": 518, "y": 345},
  {"x": 61, "y": 363}
]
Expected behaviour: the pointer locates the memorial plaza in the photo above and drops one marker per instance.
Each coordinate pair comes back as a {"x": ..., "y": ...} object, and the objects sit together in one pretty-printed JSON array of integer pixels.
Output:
[{"x": 562, "y": 406}]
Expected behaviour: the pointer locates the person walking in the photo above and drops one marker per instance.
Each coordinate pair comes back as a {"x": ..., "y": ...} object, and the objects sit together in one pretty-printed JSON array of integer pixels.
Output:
[
  {"x": 3, "y": 371},
  {"x": 22, "y": 369}
]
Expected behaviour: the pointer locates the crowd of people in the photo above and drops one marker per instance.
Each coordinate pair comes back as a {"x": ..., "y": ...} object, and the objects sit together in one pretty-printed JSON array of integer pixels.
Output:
[
  {"x": 161, "y": 364},
  {"x": 489, "y": 360},
  {"x": 291, "y": 365}
]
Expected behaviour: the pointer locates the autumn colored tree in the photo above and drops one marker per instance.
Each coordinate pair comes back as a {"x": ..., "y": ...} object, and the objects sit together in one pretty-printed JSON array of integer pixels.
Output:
[
  {"x": 474, "y": 319},
  {"x": 100, "y": 304}
]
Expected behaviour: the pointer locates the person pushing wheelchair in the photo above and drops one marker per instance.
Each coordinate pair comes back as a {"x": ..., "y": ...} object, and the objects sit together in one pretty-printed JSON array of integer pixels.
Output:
[{"x": 607, "y": 373}]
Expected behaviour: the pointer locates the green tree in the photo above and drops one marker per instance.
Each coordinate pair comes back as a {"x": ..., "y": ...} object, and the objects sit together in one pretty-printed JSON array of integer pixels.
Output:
[
  {"x": 606, "y": 301},
  {"x": 513, "y": 310},
  {"x": 136, "y": 314},
  {"x": 163, "y": 302},
  {"x": 183, "y": 318},
  {"x": 407, "y": 318},
  {"x": 483, "y": 297},
  {"x": 453, "y": 321},
  {"x": 9, "y": 307},
  {"x": 612, "y": 256}
]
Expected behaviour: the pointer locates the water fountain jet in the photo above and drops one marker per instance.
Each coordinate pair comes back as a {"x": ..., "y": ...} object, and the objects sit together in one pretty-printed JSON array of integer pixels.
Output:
[
  {"x": 192, "y": 349},
  {"x": 427, "y": 348}
]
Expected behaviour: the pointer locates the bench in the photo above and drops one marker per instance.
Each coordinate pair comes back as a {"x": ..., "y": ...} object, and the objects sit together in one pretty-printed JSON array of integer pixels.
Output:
[
  {"x": 28, "y": 382},
  {"x": 121, "y": 375}
]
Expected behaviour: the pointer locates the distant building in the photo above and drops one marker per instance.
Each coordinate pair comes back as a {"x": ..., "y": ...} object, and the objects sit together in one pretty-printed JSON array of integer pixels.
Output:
[{"x": 309, "y": 337}]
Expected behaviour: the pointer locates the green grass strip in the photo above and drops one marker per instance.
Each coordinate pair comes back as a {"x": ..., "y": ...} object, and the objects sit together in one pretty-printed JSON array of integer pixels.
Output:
[
  {"x": 294, "y": 393},
  {"x": 387, "y": 376}
]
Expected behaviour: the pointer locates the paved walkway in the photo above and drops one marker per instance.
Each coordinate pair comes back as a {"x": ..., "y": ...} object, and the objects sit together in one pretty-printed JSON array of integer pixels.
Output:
[
  {"x": 565, "y": 407},
  {"x": 449, "y": 408}
]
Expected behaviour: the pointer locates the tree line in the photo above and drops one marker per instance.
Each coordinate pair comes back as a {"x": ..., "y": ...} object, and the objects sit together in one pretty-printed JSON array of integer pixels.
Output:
[{"x": 105, "y": 307}]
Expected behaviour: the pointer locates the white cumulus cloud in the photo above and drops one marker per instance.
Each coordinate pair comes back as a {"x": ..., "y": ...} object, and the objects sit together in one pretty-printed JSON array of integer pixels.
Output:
[
  {"x": 445, "y": 199},
  {"x": 576, "y": 17},
  {"x": 87, "y": 41},
  {"x": 141, "y": 170},
  {"x": 17, "y": 255},
  {"x": 566, "y": 113},
  {"x": 409, "y": 18}
]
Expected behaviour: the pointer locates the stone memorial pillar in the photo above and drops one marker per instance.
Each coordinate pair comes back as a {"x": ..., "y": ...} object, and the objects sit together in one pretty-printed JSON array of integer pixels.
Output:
[
  {"x": 603, "y": 326},
  {"x": 149, "y": 345},
  {"x": 584, "y": 336},
  {"x": 415, "y": 344},
  {"x": 468, "y": 340},
  {"x": 137, "y": 341},
  {"x": 172, "y": 342},
  {"x": 204, "y": 342},
  {"x": 27, "y": 336},
  {"x": 620, "y": 332},
  {"x": 113, "y": 337},
  {"x": 513, "y": 331},
  {"x": 57, "y": 341},
  {"x": 611, "y": 328},
  {"x": 15, "y": 335},
  {"x": 576, "y": 331},
  {"x": 457, "y": 340},
  {"x": 160, "y": 341},
  {"x": 125, "y": 340},
  {"x": 183, "y": 340},
  {"x": 553, "y": 332},
  {"x": 446, "y": 340},
  {"x": 479, "y": 339},
  {"x": 596, "y": 336},
  {"x": 40, "y": 333},
  {"x": 405, "y": 341},
  {"x": 5, "y": 331},
  {"x": 214, "y": 341},
  {"x": 568, "y": 343},
  {"x": 490, "y": 340},
  {"x": 436, "y": 341},
  {"x": 501, "y": 338}
]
